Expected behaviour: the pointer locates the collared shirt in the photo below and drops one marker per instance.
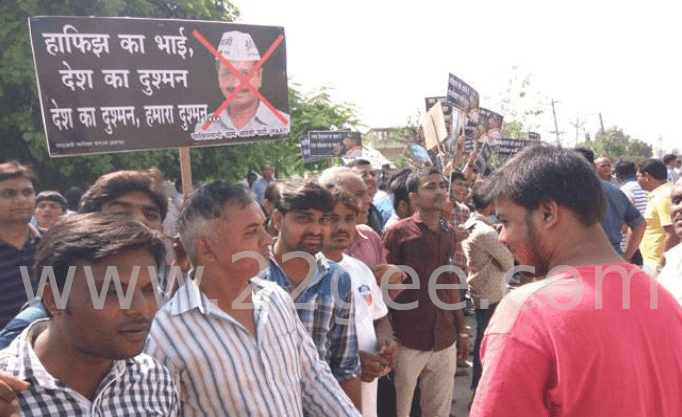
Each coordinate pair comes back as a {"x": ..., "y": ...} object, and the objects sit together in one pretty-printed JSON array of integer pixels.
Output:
[
  {"x": 138, "y": 386},
  {"x": 12, "y": 290},
  {"x": 367, "y": 246},
  {"x": 224, "y": 370},
  {"x": 657, "y": 216},
  {"x": 619, "y": 210},
  {"x": 259, "y": 186},
  {"x": 411, "y": 243},
  {"x": 460, "y": 214},
  {"x": 633, "y": 191},
  {"x": 326, "y": 310},
  {"x": 384, "y": 204},
  {"x": 264, "y": 119},
  {"x": 482, "y": 246}
]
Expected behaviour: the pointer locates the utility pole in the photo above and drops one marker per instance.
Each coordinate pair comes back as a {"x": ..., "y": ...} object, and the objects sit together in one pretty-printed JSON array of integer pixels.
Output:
[
  {"x": 602, "y": 123},
  {"x": 577, "y": 126},
  {"x": 556, "y": 125}
]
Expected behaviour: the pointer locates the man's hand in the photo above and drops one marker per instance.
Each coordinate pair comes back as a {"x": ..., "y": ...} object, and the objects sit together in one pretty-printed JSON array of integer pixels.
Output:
[
  {"x": 461, "y": 233},
  {"x": 389, "y": 349},
  {"x": 463, "y": 346},
  {"x": 9, "y": 388},
  {"x": 372, "y": 366},
  {"x": 395, "y": 277}
]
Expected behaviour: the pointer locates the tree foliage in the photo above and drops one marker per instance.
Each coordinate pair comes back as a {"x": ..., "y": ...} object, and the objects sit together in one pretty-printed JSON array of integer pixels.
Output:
[{"x": 617, "y": 145}]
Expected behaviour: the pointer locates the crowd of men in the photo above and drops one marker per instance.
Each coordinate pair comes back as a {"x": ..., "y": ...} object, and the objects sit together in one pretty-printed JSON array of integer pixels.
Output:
[{"x": 338, "y": 297}]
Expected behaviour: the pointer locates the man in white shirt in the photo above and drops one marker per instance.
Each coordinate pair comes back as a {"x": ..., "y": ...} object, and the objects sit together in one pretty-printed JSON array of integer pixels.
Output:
[{"x": 378, "y": 348}]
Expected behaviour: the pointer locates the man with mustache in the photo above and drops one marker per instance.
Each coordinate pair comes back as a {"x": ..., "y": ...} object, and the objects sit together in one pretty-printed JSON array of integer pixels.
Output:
[
  {"x": 232, "y": 340},
  {"x": 86, "y": 359},
  {"x": 587, "y": 339},
  {"x": 18, "y": 239},
  {"x": 321, "y": 289},
  {"x": 378, "y": 347},
  {"x": 246, "y": 113}
]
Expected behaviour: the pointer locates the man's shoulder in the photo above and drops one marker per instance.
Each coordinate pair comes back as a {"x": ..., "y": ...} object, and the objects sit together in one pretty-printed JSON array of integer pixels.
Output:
[{"x": 147, "y": 366}]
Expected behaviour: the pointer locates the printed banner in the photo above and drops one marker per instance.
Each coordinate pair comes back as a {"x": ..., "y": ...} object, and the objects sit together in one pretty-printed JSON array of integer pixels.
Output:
[
  {"x": 535, "y": 137},
  {"x": 329, "y": 144},
  {"x": 509, "y": 147},
  {"x": 123, "y": 84}
]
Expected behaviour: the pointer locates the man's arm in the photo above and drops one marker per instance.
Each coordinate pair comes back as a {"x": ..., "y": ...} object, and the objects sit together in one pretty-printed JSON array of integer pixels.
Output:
[
  {"x": 344, "y": 359},
  {"x": 633, "y": 237},
  {"x": 321, "y": 394},
  {"x": 389, "y": 346}
]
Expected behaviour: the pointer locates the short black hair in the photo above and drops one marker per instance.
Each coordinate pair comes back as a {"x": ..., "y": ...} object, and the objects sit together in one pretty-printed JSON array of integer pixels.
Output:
[
  {"x": 342, "y": 197},
  {"x": 654, "y": 167},
  {"x": 53, "y": 196},
  {"x": 115, "y": 184},
  {"x": 549, "y": 173},
  {"x": 480, "y": 195},
  {"x": 92, "y": 238},
  {"x": 13, "y": 169},
  {"x": 626, "y": 169},
  {"x": 398, "y": 187},
  {"x": 310, "y": 195},
  {"x": 457, "y": 175},
  {"x": 587, "y": 153},
  {"x": 415, "y": 178},
  {"x": 669, "y": 157}
]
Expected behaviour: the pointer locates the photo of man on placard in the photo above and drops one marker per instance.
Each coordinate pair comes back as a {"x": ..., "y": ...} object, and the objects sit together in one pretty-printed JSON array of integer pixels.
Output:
[
  {"x": 246, "y": 113},
  {"x": 351, "y": 146}
]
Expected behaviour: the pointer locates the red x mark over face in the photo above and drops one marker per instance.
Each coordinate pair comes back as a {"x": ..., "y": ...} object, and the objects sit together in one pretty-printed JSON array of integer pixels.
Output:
[{"x": 244, "y": 80}]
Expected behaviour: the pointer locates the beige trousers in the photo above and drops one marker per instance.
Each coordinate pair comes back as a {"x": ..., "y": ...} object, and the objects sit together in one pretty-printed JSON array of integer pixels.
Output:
[{"x": 437, "y": 372}]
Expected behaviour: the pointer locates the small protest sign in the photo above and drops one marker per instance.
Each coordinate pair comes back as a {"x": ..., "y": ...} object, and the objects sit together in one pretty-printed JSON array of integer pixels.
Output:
[
  {"x": 461, "y": 94},
  {"x": 533, "y": 136},
  {"x": 328, "y": 144},
  {"x": 434, "y": 126},
  {"x": 509, "y": 147},
  {"x": 451, "y": 123},
  {"x": 122, "y": 84}
]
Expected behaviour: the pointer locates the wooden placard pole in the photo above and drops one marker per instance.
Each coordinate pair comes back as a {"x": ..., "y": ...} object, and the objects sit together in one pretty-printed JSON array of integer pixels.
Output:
[{"x": 186, "y": 170}]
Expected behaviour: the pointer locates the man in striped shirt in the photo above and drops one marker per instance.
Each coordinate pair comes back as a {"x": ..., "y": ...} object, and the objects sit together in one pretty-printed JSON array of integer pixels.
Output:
[
  {"x": 233, "y": 342},
  {"x": 18, "y": 240},
  {"x": 85, "y": 359}
]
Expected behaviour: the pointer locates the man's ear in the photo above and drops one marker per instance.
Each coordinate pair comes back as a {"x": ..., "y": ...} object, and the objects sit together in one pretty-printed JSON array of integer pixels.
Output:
[
  {"x": 548, "y": 213},
  {"x": 205, "y": 251},
  {"x": 277, "y": 219},
  {"x": 49, "y": 301}
]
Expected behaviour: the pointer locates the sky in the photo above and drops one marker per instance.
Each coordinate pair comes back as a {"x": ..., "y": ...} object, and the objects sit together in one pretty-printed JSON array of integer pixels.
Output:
[{"x": 589, "y": 56}]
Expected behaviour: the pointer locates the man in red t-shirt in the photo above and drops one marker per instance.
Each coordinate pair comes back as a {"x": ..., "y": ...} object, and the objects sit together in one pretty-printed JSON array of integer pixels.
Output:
[{"x": 596, "y": 337}]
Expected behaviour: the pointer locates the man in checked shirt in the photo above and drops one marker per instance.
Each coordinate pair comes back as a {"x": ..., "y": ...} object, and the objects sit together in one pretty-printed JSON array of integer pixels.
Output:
[{"x": 85, "y": 358}]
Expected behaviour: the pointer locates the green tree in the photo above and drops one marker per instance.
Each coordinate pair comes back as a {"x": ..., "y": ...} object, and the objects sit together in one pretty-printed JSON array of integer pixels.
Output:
[
  {"x": 21, "y": 130},
  {"x": 314, "y": 111},
  {"x": 615, "y": 144}
]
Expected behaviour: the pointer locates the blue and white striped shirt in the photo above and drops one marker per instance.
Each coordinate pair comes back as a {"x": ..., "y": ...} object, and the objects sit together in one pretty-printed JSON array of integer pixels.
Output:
[{"x": 223, "y": 370}]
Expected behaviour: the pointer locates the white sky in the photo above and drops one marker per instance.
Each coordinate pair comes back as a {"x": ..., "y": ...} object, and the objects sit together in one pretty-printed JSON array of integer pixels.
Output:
[{"x": 619, "y": 58}]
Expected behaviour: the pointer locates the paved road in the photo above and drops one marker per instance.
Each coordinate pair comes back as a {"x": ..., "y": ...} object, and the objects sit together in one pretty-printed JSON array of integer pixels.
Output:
[{"x": 462, "y": 394}]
